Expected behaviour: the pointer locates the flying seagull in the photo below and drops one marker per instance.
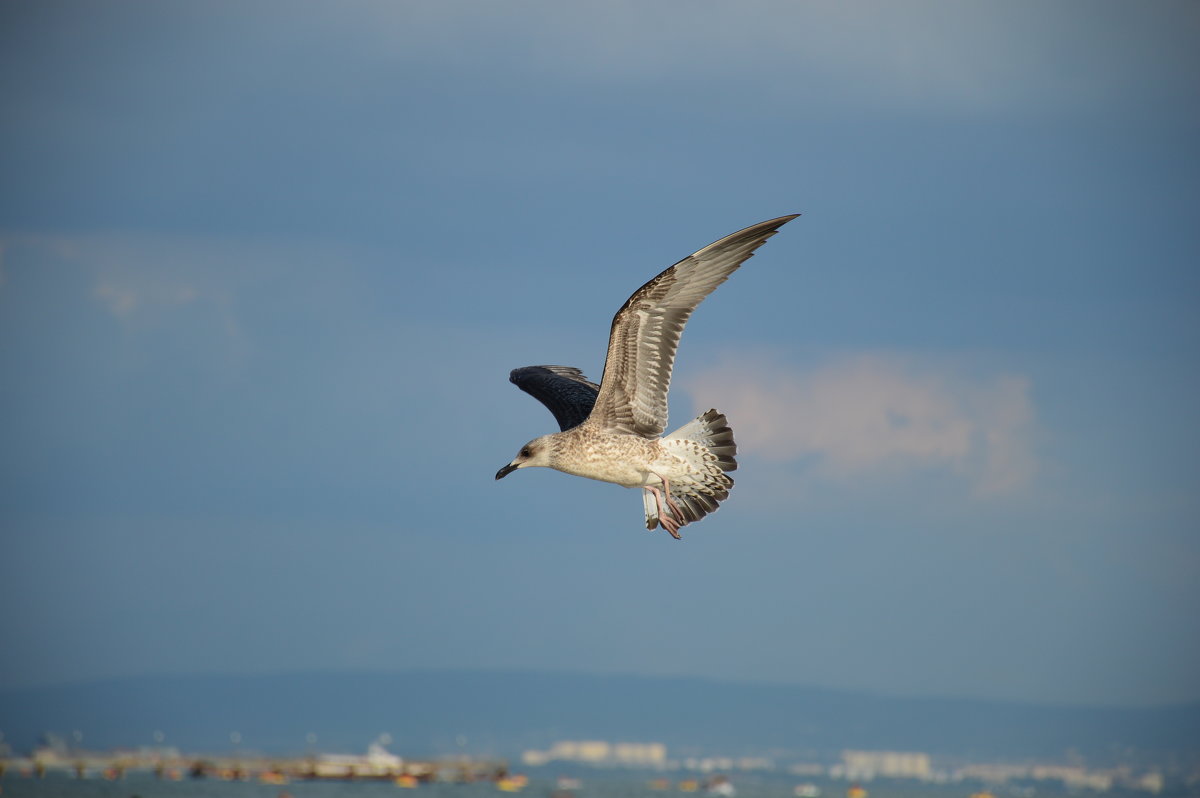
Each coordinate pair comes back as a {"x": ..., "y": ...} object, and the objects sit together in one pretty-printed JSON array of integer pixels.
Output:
[{"x": 613, "y": 431}]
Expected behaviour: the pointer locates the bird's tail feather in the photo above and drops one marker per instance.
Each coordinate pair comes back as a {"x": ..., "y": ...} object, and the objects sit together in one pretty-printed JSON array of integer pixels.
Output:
[{"x": 713, "y": 457}]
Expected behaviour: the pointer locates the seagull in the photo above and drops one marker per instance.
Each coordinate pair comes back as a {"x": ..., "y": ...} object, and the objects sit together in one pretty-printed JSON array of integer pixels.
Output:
[{"x": 613, "y": 432}]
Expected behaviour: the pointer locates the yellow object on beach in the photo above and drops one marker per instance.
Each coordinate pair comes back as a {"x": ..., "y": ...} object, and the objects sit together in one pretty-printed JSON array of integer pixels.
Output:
[{"x": 512, "y": 783}]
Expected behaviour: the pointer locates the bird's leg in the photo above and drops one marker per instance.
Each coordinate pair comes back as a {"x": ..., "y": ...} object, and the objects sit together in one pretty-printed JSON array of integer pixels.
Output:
[
  {"x": 668, "y": 523},
  {"x": 670, "y": 501},
  {"x": 657, "y": 501}
]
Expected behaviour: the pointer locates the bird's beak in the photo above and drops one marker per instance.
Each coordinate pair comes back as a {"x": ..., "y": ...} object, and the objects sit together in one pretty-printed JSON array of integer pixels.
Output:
[{"x": 508, "y": 469}]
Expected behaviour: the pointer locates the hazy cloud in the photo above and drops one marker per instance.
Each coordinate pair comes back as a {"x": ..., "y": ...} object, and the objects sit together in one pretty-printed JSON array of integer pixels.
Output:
[
  {"x": 862, "y": 413},
  {"x": 145, "y": 273},
  {"x": 149, "y": 283},
  {"x": 124, "y": 294}
]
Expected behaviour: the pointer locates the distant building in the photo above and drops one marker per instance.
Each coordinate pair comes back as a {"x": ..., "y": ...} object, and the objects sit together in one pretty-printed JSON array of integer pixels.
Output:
[
  {"x": 1073, "y": 776},
  {"x": 640, "y": 754},
  {"x": 600, "y": 753},
  {"x": 594, "y": 751},
  {"x": 993, "y": 773},
  {"x": 867, "y": 765}
]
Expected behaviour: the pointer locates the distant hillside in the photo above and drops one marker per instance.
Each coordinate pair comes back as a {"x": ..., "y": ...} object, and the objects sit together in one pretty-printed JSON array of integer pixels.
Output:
[{"x": 427, "y": 713}]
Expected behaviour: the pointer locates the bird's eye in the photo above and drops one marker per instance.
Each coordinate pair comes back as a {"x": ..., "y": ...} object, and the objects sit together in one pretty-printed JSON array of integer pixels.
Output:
[{"x": 525, "y": 452}]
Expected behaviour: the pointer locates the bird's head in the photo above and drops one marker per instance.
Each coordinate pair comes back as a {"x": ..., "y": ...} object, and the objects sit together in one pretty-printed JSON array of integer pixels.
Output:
[{"x": 535, "y": 453}]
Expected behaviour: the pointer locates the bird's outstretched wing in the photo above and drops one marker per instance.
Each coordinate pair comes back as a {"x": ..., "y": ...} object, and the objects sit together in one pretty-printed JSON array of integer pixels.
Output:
[
  {"x": 562, "y": 389},
  {"x": 645, "y": 332}
]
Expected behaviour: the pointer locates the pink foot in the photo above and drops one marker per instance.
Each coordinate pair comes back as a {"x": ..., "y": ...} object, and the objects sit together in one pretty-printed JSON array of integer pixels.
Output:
[
  {"x": 668, "y": 523},
  {"x": 671, "y": 500}
]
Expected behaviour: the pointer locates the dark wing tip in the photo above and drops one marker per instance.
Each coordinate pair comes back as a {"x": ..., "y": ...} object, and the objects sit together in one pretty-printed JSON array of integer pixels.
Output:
[
  {"x": 755, "y": 230},
  {"x": 525, "y": 374},
  {"x": 564, "y": 391}
]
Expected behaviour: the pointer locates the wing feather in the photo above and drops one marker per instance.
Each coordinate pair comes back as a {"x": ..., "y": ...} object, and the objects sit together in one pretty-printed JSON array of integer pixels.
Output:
[
  {"x": 646, "y": 330},
  {"x": 562, "y": 389}
]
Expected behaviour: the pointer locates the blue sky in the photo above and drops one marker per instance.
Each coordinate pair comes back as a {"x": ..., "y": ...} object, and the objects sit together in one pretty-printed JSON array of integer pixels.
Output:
[{"x": 266, "y": 266}]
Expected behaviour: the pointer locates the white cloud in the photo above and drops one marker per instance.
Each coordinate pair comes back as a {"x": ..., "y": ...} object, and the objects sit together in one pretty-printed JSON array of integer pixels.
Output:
[
  {"x": 870, "y": 413},
  {"x": 139, "y": 275},
  {"x": 130, "y": 274}
]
